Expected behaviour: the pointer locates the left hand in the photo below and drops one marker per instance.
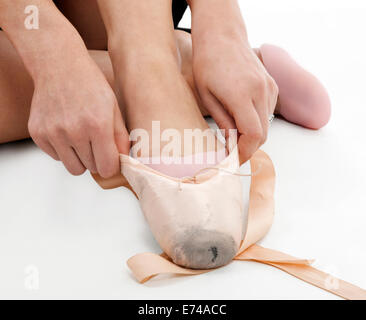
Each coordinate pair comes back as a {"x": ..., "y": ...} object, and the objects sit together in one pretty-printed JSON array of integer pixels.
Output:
[{"x": 234, "y": 87}]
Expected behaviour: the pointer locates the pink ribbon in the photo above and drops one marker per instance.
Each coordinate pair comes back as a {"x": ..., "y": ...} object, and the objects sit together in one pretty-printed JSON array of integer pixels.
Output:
[{"x": 145, "y": 266}]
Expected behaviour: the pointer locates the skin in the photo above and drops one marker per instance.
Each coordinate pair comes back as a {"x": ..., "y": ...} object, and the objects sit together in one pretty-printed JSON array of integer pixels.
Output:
[
  {"x": 153, "y": 64},
  {"x": 95, "y": 134},
  {"x": 233, "y": 84},
  {"x": 70, "y": 107},
  {"x": 81, "y": 127},
  {"x": 16, "y": 90}
]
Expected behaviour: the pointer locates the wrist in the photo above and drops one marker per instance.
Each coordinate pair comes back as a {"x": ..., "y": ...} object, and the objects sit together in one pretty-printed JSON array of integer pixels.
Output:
[
  {"x": 47, "y": 50},
  {"x": 223, "y": 20},
  {"x": 57, "y": 56}
]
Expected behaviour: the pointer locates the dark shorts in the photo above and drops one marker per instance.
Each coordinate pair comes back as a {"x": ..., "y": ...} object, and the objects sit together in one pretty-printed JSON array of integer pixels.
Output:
[{"x": 179, "y": 7}]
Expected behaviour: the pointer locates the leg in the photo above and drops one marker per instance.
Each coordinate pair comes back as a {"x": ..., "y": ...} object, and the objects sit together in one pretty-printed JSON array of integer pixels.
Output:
[
  {"x": 302, "y": 98},
  {"x": 16, "y": 90},
  {"x": 85, "y": 17},
  {"x": 204, "y": 236}
]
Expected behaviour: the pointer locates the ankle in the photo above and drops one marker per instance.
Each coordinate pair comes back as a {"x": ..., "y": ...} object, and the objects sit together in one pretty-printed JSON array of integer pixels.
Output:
[
  {"x": 138, "y": 69},
  {"x": 136, "y": 58}
]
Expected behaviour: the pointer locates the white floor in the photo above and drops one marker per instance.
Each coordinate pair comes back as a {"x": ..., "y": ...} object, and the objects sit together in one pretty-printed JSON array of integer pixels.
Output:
[{"x": 64, "y": 237}]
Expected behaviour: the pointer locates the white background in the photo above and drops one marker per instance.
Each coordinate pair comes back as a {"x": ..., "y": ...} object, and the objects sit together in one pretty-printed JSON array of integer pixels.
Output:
[{"x": 78, "y": 237}]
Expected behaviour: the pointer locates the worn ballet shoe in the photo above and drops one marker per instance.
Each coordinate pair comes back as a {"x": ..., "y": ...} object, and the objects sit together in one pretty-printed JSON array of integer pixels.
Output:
[
  {"x": 198, "y": 221},
  {"x": 302, "y": 98},
  {"x": 204, "y": 249}
]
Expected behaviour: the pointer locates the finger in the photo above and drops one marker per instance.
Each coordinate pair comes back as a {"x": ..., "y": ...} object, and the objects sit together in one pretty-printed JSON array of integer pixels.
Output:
[
  {"x": 105, "y": 152},
  {"x": 265, "y": 105},
  {"x": 261, "y": 105},
  {"x": 121, "y": 135},
  {"x": 47, "y": 148},
  {"x": 250, "y": 130},
  {"x": 218, "y": 112},
  {"x": 85, "y": 154},
  {"x": 69, "y": 158},
  {"x": 273, "y": 97}
]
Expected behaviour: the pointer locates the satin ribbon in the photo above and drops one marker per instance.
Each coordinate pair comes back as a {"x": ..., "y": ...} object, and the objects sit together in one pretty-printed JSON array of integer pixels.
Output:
[{"x": 145, "y": 266}]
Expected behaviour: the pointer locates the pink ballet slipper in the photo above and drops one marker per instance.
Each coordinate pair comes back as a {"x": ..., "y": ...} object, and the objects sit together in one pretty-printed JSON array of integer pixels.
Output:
[{"x": 198, "y": 221}]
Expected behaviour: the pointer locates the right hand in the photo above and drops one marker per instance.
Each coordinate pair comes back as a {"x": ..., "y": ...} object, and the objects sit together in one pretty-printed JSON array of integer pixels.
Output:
[{"x": 75, "y": 118}]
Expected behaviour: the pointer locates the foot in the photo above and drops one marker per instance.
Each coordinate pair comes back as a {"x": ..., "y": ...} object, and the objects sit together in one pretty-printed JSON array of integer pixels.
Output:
[
  {"x": 188, "y": 220},
  {"x": 302, "y": 98}
]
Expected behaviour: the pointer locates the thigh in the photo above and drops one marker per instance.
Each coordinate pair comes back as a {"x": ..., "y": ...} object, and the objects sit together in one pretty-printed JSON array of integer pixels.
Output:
[
  {"x": 16, "y": 90},
  {"x": 86, "y": 18}
]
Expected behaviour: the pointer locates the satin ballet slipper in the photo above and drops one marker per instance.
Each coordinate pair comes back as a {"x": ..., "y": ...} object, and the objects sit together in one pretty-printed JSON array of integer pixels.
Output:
[
  {"x": 198, "y": 221},
  {"x": 303, "y": 99}
]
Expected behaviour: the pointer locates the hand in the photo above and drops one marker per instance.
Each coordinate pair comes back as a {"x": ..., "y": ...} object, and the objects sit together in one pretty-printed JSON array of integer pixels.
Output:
[
  {"x": 75, "y": 118},
  {"x": 234, "y": 87}
]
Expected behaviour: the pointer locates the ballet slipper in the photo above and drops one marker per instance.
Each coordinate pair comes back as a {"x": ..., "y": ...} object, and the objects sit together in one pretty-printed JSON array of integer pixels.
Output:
[
  {"x": 261, "y": 208},
  {"x": 303, "y": 99},
  {"x": 198, "y": 221}
]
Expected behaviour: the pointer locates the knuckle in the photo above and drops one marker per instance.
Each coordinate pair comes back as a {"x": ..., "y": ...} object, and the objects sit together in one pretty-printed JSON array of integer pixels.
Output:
[
  {"x": 97, "y": 124},
  {"x": 55, "y": 131},
  {"x": 259, "y": 82},
  {"x": 74, "y": 132}
]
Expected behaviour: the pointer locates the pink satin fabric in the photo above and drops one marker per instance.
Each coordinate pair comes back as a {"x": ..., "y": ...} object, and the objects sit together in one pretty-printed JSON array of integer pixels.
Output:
[
  {"x": 261, "y": 210},
  {"x": 185, "y": 166},
  {"x": 172, "y": 206}
]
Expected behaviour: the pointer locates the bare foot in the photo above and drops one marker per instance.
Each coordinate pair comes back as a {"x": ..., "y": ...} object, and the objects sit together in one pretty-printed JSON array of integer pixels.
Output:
[{"x": 195, "y": 233}]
